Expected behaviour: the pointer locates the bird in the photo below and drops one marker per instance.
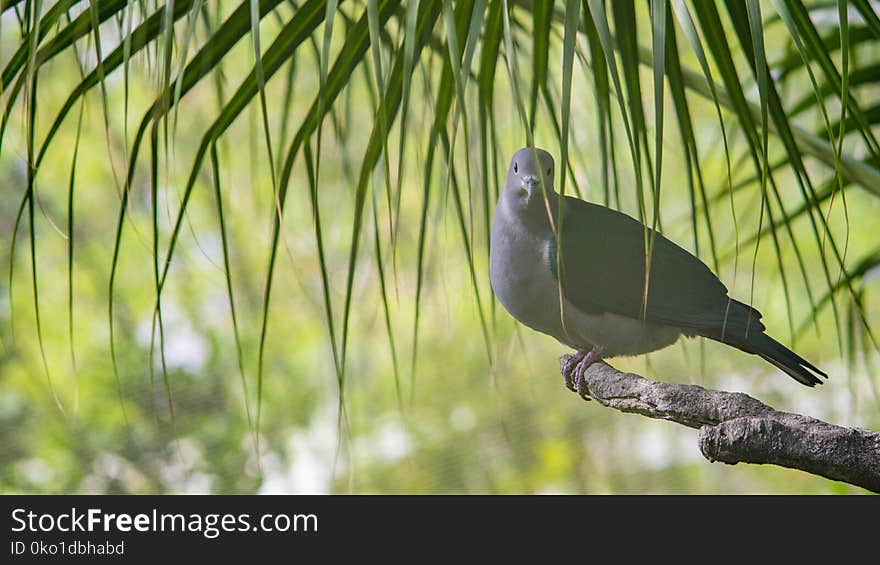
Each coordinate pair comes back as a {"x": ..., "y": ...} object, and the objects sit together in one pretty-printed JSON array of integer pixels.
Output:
[{"x": 575, "y": 270}]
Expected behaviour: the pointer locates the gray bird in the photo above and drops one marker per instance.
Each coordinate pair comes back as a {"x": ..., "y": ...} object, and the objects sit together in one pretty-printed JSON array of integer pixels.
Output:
[{"x": 589, "y": 292}]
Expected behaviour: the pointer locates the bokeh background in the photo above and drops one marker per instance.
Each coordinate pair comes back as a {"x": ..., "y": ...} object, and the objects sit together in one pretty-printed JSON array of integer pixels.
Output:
[{"x": 479, "y": 405}]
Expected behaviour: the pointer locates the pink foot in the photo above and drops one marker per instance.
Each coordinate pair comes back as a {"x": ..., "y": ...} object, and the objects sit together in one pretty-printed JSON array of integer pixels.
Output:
[
  {"x": 567, "y": 365},
  {"x": 574, "y": 366}
]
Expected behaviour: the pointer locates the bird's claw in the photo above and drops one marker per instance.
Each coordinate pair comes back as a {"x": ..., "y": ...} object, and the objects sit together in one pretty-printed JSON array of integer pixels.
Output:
[
  {"x": 567, "y": 366},
  {"x": 574, "y": 368},
  {"x": 580, "y": 381},
  {"x": 581, "y": 387}
]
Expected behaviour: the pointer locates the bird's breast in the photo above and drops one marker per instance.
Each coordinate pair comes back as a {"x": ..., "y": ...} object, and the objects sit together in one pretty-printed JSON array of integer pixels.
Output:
[
  {"x": 521, "y": 273},
  {"x": 522, "y": 278}
]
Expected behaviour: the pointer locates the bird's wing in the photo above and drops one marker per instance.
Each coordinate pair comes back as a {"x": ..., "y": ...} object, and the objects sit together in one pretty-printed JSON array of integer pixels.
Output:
[{"x": 603, "y": 270}]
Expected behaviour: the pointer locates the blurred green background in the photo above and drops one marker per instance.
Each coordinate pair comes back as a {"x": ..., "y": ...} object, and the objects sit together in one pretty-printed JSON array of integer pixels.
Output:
[{"x": 475, "y": 415}]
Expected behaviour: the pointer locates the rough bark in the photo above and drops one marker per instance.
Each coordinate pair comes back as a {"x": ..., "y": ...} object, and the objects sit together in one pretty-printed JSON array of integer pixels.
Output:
[{"x": 736, "y": 428}]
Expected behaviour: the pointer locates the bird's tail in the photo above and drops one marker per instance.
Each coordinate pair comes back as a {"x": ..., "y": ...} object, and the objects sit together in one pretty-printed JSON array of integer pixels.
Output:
[
  {"x": 743, "y": 329},
  {"x": 785, "y": 359}
]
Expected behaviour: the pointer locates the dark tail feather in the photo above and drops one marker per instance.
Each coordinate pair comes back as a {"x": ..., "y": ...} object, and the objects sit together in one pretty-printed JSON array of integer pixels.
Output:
[
  {"x": 743, "y": 329},
  {"x": 784, "y": 358}
]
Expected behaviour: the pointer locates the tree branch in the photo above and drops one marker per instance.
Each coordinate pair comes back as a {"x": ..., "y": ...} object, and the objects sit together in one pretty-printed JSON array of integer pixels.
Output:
[{"x": 736, "y": 428}]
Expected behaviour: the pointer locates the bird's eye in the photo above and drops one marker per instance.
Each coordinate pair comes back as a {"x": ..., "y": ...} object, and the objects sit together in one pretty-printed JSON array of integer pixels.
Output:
[
  {"x": 515, "y": 168},
  {"x": 550, "y": 172}
]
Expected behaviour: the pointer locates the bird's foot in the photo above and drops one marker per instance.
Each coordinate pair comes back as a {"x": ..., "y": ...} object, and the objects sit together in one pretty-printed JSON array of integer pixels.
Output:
[
  {"x": 575, "y": 366},
  {"x": 567, "y": 365}
]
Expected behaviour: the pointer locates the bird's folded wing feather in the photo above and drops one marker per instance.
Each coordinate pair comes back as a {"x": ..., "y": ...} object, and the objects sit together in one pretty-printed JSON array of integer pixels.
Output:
[{"x": 603, "y": 270}]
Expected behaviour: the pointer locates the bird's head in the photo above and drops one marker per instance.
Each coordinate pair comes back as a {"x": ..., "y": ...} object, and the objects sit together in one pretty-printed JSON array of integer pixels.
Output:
[{"x": 529, "y": 181}]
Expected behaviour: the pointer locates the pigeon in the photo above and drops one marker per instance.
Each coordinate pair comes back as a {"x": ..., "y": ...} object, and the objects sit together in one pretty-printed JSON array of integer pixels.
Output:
[{"x": 587, "y": 287}]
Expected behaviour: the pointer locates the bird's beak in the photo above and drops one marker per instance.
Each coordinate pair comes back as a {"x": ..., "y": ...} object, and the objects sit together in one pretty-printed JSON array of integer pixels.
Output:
[{"x": 530, "y": 183}]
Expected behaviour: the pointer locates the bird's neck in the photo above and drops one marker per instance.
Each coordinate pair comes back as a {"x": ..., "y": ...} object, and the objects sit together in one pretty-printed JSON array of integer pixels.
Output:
[{"x": 541, "y": 213}]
